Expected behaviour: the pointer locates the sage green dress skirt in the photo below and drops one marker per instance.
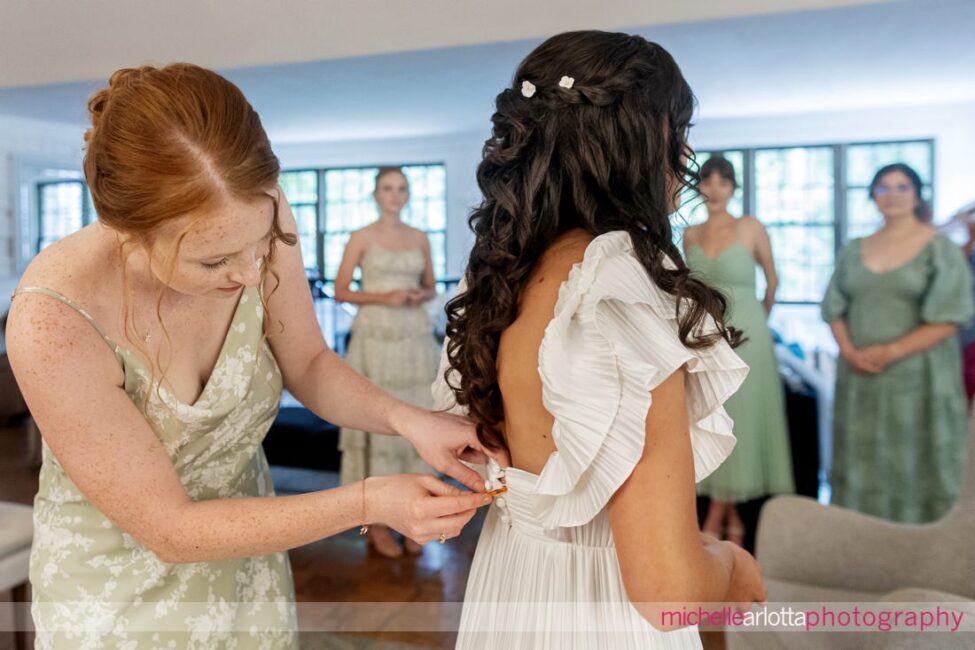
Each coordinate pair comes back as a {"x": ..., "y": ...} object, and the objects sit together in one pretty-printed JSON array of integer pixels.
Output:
[
  {"x": 899, "y": 436},
  {"x": 96, "y": 587},
  {"x": 761, "y": 463}
]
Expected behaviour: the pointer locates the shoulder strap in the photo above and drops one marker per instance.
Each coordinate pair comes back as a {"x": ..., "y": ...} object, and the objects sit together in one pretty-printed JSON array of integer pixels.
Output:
[{"x": 70, "y": 303}]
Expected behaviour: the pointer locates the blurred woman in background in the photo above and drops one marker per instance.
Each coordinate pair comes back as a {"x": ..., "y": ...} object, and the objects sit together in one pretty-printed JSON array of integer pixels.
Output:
[
  {"x": 895, "y": 303},
  {"x": 392, "y": 336},
  {"x": 723, "y": 251}
]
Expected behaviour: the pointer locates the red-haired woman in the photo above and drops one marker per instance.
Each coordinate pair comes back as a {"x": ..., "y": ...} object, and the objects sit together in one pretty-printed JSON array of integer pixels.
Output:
[{"x": 152, "y": 348}]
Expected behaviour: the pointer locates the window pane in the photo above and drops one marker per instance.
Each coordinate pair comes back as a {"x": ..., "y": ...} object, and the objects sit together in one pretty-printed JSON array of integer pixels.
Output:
[
  {"x": 794, "y": 185},
  {"x": 306, "y": 217},
  {"x": 438, "y": 251},
  {"x": 803, "y": 260},
  {"x": 60, "y": 208},
  {"x": 794, "y": 199},
  {"x": 863, "y": 160},
  {"x": 300, "y": 187},
  {"x": 334, "y": 247},
  {"x": 349, "y": 205}
]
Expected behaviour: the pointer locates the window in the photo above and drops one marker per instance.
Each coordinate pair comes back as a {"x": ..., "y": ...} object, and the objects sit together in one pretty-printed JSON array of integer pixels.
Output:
[
  {"x": 794, "y": 199},
  {"x": 812, "y": 201},
  {"x": 343, "y": 198},
  {"x": 301, "y": 188},
  {"x": 63, "y": 207}
]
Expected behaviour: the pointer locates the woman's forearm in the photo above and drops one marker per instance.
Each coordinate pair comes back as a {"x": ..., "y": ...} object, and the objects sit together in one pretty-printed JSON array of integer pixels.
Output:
[
  {"x": 924, "y": 337},
  {"x": 361, "y": 297},
  {"x": 332, "y": 390},
  {"x": 842, "y": 335},
  {"x": 222, "y": 529},
  {"x": 709, "y": 581}
]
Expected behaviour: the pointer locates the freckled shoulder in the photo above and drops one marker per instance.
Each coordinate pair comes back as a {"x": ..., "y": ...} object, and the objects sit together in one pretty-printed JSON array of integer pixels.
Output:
[{"x": 72, "y": 265}]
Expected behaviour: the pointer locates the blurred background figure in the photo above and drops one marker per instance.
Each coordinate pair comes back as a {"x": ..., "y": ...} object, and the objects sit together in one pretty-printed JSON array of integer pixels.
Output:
[
  {"x": 966, "y": 337},
  {"x": 392, "y": 339},
  {"x": 895, "y": 303},
  {"x": 724, "y": 251}
]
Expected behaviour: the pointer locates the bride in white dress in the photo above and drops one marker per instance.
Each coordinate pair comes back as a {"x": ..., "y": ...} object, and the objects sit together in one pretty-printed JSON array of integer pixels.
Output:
[{"x": 566, "y": 346}]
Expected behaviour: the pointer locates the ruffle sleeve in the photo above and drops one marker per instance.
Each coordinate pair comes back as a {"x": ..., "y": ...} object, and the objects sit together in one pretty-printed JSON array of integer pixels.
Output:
[{"x": 612, "y": 340}]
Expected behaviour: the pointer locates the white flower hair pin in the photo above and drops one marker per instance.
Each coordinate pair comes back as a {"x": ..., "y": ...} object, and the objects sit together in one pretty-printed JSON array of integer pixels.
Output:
[
  {"x": 528, "y": 89},
  {"x": 566, "y": 82}
]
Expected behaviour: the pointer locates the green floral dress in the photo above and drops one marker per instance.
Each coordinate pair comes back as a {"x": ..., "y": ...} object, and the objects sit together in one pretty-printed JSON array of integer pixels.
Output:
[
  {"x": 899, "y": 436},
  {"x": 95, "y": 586}
]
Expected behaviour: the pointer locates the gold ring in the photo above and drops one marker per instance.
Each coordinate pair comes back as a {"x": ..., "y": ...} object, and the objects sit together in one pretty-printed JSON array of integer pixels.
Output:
[{"x": 443, "y": 537}]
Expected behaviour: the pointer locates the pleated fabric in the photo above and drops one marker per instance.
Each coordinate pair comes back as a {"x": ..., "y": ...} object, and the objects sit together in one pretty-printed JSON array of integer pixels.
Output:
[{"x": 545, "y": 573}]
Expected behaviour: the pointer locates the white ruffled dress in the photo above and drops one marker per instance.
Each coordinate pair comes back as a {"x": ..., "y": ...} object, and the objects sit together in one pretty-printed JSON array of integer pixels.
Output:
[{"x": 545, "y": 573}]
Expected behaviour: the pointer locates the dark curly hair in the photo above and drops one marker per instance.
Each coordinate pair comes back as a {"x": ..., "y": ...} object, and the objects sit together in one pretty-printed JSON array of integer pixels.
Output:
[{"x": 608, "y": 153}]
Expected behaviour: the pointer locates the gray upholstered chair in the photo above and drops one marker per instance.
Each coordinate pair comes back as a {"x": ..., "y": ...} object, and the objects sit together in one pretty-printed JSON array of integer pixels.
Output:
[
  {"x": 812, "y": 552},
  {"x": 16, "y": 533}
]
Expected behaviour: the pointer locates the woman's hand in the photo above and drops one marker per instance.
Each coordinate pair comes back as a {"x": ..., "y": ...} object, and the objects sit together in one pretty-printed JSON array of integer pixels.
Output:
[
  {"x": 746, "y": 586},
  {"x": 417, "y": 297},
  {"x": 420, "y": 506},
  {"x": 861, "y": 363},
  {"x": 443, "y": 440},
  {"x": 879, "y": 356},
  {"x": 397, "y": 298}
]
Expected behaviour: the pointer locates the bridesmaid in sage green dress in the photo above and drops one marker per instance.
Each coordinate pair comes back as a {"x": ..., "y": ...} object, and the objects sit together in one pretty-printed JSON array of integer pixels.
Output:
[
  {"x": 895, "y": 303},
  {"x": 723, "y": 251},
  {"x": 152, "y": 347}
]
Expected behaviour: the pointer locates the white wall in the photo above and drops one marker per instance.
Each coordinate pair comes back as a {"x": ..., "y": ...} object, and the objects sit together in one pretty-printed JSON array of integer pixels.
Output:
[{"x": 27, "y": 147}]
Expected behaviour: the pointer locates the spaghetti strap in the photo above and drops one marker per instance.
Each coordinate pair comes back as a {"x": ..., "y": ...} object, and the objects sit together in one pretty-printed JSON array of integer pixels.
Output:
[{"x": 71, "y": 303}]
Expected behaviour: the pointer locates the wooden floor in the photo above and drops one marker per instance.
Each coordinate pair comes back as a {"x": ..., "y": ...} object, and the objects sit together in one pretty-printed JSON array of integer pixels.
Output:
[{"x": 334, "y": 570}]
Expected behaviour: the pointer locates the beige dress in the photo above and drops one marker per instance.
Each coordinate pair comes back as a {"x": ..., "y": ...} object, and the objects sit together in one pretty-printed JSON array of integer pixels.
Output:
[
  {"x": 394, "y": 347},
  {"x": 95, "y": 586}
]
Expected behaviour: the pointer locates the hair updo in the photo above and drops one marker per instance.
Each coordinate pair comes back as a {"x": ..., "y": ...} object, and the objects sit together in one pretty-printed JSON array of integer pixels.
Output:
[{"x": 174, "y": 142}]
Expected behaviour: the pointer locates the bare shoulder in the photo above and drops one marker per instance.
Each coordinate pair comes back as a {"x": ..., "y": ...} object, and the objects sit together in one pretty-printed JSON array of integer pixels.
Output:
[
  {"x": 691, "y": 233},
  {"x": 75, "y": 265},
  {"x": 564, "y": 252},
  {"x": 45, "y": 332},
  {"x": 416, "y": 235},
  {"x": 751, "y": 224},
  {"x": 751, "y": 231},
  {"x": 362, "y": 237}
]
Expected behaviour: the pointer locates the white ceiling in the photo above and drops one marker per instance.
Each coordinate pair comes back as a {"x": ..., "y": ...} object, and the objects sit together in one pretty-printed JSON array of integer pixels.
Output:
[
  {"x": 875, "y": 55},
  {"x": 50, "y": 41}
]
